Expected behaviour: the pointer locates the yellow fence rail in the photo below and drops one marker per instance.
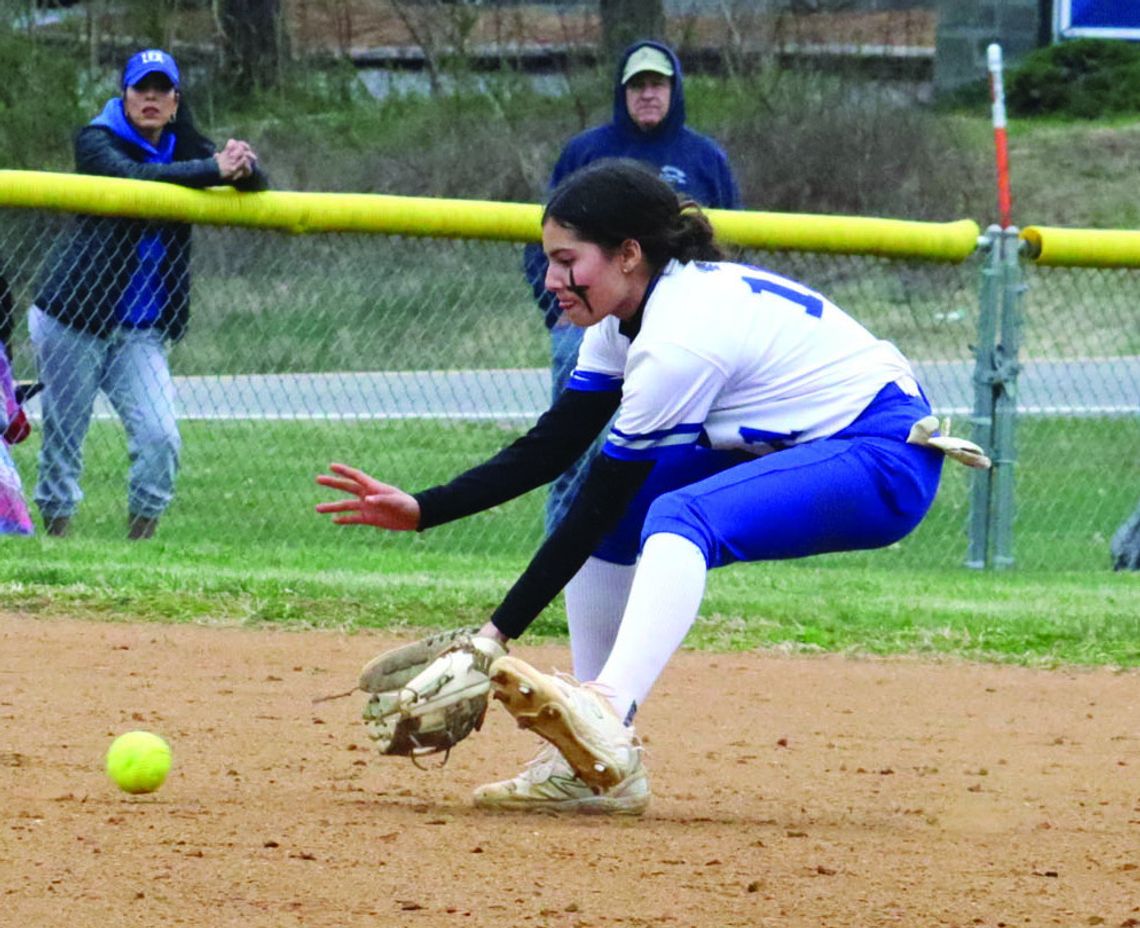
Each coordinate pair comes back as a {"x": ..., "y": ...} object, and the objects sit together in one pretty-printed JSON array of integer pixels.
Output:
[
  {"x": 302, "y": 213},
  {"x": 1055, "y": 247}
]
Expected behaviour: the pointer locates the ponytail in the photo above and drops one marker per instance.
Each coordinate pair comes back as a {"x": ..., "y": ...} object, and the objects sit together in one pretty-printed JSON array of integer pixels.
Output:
[{"x": 692, "y": 237}]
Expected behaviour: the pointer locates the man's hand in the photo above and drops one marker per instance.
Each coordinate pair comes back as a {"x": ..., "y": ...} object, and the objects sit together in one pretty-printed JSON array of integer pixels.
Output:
[{"x": 378, "y": 504}]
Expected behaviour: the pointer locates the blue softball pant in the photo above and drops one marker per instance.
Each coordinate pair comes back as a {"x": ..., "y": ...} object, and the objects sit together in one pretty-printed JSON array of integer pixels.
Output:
[{"x": 863, "y": 487}]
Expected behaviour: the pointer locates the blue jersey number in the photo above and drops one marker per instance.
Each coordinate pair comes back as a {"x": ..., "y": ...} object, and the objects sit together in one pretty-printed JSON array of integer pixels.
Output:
[{"x": 812, "y": 305}]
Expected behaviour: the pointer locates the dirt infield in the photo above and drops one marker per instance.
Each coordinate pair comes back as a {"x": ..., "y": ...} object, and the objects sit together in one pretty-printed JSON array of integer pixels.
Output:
[{"x": 787, "y": 791}]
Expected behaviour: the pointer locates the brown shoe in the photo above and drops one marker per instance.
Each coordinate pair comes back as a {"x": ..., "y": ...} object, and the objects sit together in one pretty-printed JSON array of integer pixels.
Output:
[
  {"x": 140, "y": 528},
  {"x": 57, "y": 526}
]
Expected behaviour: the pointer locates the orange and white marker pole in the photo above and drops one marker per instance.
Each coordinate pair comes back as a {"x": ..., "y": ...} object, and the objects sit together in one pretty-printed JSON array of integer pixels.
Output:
[{"x": 997, "y": 95}]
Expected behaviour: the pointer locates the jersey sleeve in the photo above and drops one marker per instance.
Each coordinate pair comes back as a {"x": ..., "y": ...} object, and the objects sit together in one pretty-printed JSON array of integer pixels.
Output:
[
  {"x": 95, "y": 153},
  {"x": 606, "y": 494},
  {"x": 667, "y": 397},
  {"x": 555, "y": 442},
  {"x": 601, "y": 360}
]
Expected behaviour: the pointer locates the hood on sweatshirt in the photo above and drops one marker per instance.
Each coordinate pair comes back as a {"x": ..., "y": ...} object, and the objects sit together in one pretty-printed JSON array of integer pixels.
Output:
[{"x": 674, "y": 120}]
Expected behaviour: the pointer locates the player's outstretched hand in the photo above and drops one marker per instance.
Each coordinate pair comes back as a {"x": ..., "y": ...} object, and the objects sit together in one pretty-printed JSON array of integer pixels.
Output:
[{"x": 374, "y": 503}]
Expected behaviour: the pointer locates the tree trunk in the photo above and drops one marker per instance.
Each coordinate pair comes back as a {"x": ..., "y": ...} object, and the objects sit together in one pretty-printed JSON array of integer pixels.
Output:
[
  {"x": 626, "y": 21},
  {"x": 253, "y": 43}
]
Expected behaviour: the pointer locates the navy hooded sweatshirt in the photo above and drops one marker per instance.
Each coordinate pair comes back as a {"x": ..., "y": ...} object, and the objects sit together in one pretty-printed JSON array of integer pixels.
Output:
[{"x": 692, "y": 163}]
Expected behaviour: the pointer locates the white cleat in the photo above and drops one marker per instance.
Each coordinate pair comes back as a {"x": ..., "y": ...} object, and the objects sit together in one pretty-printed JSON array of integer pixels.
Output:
[
  {"x": 576, "y": 719},
  {"x": 549, "y": 784}
]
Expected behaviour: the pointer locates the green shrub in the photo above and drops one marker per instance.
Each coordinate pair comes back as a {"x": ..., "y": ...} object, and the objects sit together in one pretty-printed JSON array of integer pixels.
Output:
[
  {"x": 1083, "y": 78},
  {"x": 818, "y": 143},
  {"x": 39, "y": 103}
]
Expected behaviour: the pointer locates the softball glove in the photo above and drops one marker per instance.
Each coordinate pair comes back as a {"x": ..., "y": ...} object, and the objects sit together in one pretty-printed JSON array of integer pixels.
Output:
[
  {"x": 923, "y": 432},
  {"x": 427, "y": 696}
]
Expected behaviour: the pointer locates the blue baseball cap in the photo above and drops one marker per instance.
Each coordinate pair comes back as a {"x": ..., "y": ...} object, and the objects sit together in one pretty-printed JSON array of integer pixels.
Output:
[{"x": 151, "y": 61}]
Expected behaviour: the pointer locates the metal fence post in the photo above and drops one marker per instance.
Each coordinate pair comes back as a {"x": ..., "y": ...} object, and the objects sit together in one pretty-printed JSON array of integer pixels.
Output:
[
  {"x": 982, "y": 418},
  {"x": 1007, "y": 367},
  {"x": 994, "y": 418}
]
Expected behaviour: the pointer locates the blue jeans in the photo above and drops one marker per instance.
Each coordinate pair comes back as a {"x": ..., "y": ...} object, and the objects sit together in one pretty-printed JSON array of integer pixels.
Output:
[
  {"x": 131, "y": 368},
  {"x": 565, "y": 340}
]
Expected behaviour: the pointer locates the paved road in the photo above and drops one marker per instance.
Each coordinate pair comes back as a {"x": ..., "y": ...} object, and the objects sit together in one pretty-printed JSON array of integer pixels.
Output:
[{"x": 1087, "y": 387}]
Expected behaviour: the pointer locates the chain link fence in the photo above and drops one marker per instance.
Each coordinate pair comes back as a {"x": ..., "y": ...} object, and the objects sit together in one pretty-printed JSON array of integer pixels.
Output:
[
  {"x": 414, "y": 358},
  {"x": 1078, "y": 469}
]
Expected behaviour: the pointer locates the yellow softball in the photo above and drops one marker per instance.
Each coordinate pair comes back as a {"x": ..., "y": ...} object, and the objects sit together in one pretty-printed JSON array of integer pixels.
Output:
[{"x": 138, "y": 761}]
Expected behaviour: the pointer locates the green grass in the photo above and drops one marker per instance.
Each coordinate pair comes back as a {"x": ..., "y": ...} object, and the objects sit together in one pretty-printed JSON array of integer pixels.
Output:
[
  {"x": 406, "y": 304},
  {"x": 1044, "y": 619},
  {"x": 242, "y": 545},
  {"x": 363, "y": 303},
  {"x": 1073, "y": 172}
]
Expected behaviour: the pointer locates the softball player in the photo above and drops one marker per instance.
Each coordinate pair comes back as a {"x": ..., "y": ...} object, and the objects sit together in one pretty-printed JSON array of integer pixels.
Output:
[{"x": 755, "y": 421}]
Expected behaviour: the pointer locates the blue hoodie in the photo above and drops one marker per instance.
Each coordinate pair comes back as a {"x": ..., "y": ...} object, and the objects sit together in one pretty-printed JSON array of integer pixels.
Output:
[
  {"x": 145, "y": 294},
  {"x": 692, "y": 163}
]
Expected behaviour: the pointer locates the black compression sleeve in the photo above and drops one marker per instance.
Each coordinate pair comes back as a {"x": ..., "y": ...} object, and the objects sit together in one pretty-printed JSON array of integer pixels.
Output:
[
  {"x": 556, "y": 441},
  {"x": 607, "y": 492}
]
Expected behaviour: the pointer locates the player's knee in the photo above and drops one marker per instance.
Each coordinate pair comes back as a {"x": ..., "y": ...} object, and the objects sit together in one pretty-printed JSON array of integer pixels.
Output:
[
  {"x": 620, "y": 547},
  {"x": 678, "y": 513}
]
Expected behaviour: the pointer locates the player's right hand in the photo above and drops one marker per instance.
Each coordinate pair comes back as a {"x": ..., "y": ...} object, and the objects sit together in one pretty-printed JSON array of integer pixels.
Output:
[{"x": 374, "y": 503}]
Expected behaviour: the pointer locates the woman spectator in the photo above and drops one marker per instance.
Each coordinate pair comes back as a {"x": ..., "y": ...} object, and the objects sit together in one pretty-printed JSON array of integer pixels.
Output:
[{"x": 116, "y": 292}]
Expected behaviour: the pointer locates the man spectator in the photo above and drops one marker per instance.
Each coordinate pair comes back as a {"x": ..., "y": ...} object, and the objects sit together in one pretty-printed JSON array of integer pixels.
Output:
[{"x": 648, "y": 125}]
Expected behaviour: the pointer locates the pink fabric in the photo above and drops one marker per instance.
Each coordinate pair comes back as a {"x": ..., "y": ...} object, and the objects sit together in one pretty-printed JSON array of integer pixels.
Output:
[
  {"x": 14, "y": 517},
  {"x": 7, "y": 385}
]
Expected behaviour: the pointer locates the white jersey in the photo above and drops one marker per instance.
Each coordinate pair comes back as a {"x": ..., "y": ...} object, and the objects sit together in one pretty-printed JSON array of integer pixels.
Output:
[{"x": 736, "y": 358}]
